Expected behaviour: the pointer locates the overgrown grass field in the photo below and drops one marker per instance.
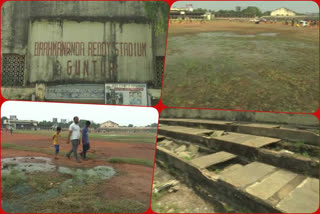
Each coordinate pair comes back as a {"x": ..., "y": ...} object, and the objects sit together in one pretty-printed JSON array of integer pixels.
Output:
[
  {"x": 234, "y": 65},
  {"x": 145, "y": 137}
]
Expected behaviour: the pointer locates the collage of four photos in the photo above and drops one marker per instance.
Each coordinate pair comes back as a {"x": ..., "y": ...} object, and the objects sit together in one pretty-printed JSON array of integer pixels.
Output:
[{"x": 159, "y": 107}]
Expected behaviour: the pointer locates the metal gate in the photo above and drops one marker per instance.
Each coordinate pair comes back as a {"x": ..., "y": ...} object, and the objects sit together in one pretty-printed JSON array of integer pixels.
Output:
[
  {"x": 12, "y": 73},
  {"x": 159, "y": 70}
]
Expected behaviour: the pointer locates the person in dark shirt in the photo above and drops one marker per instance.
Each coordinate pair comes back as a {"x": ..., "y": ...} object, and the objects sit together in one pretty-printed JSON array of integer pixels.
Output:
[{"x": 85, "y": 140}]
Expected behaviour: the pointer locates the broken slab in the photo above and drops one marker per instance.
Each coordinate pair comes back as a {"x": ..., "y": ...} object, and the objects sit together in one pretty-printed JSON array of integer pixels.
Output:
[
  {"x": 247, "y": 140},
  {"x": 303, "y": 199},
  {"x": 186, "y": 130},
  {"x": 160, "y": 137},
  {"x": 181, "y": 148},
  {"x": 194, "y": 149},
  {"x": 270, "y": 185},
  {"x": 217, "y": 133},
  {"x": 248, "y": 174},
  {"x": 213, "y": 159},
  {"x": 165, "y": 186}
]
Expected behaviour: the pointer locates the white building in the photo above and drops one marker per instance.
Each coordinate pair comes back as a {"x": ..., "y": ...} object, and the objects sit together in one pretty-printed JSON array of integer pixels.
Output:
[
  {"x": 283, "y": 12},
  {"x": 109, "y": 124}
]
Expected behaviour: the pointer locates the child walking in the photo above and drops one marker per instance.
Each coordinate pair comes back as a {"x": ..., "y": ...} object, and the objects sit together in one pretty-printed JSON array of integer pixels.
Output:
[
  {"x": 56, "y": 139},
  {"x": 85, "y": 140}
]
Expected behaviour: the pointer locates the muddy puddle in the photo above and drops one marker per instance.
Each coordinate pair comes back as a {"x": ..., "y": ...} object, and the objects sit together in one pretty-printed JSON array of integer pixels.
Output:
[{"x": 42, "y": 164}]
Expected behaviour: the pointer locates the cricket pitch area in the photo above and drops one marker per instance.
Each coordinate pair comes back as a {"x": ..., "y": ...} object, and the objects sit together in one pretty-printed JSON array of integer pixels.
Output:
[
  {"x": 116, "y": 177},
  {"x": 226, "y": 64}
]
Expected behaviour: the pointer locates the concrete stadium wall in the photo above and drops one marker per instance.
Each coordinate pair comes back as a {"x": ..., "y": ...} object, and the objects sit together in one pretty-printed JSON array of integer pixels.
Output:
[
  {"x": 25, "y": 24},
  {"x": 290, "y": 119}
]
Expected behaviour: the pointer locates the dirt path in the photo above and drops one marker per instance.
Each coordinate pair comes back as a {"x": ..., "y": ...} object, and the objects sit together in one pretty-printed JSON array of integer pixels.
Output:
[{"x": 306, "y": 33}]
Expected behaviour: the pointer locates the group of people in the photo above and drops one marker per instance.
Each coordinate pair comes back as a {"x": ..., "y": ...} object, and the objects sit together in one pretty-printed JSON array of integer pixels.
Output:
[
  {"x": 75, "y": 136},
  {"x": 303, "y": 23}
]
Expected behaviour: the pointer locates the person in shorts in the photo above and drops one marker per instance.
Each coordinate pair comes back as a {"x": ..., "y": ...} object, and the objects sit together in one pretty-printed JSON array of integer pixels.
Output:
[{"x": 56, "y": 142}]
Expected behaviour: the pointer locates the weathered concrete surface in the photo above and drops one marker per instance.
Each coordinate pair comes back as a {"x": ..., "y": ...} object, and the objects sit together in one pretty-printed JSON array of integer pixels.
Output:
[
  {"x": 266, "y": 130},
  {"x": 247, "y": 140},
  {"x": 248, "y": 174},
  {"x": 304, "y": 199},
  {"x": 213, "y": 159},
  {"x": 295, "y": 163},
  {"x": 292, "y": 119},
  {"x": 92, "y": 64},
  {"x": 270, "y": 185},
  {"x": 121, "y": 23},
  {"x": 181, "y": 129},
  {"x": 256, "y": 185}
]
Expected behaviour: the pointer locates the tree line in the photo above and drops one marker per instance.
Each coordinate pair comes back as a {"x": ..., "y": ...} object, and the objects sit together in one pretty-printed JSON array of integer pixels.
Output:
[{"x": 247, "y": 12}]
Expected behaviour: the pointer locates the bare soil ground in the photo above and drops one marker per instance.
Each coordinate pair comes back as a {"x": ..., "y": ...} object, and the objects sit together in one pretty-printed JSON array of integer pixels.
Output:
[
  {"x": 132, "y": 182},
  {"x": 185, "y": 200}
]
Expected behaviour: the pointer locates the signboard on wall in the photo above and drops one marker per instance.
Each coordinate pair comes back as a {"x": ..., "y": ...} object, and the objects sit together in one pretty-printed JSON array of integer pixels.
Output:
[
  {"x": 126, "y": 94},
  {"x": 90, "y": 51},
  {"x": 75, "y": 92}
]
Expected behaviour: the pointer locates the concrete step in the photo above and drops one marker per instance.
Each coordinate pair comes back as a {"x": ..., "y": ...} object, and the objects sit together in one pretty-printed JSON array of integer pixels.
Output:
[
  {"x": 261, "y": 129},
  {"x": 259, "y": 187},
  {"x": 248, "y": 174},
  {"x": 303, "y": 199},
  {"x": 213, "y": 159},
  {"x": 247, "y": 140},
  {"x": 186, "y": 130},
  {"x": 160, "y": 137}
]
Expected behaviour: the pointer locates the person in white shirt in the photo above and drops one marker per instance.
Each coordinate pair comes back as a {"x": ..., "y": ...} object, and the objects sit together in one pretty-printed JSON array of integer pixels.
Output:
[{"x": 74, "y": 136}]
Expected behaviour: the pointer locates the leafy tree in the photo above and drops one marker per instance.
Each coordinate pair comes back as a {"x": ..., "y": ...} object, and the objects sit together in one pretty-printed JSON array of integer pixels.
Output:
[
  {"x": 252, "y": 11},
  {"x": 200, "y": 10},
  {"x": 153, "y": 125},
  {"x": 267, "y": 13},
  {"x": 130, "y": 125},
  {"x": 3, "y": 119}
]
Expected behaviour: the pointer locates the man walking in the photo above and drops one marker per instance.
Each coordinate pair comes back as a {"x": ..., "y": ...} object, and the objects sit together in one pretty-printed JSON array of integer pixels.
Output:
[{"x": 74, "y": 135}]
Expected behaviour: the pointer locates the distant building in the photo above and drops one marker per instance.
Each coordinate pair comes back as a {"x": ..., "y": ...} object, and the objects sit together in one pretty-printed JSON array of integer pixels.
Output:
[
  {"x": 63, "y": 120},
  {"x": 109, "y": 124},
  {"x": 283, "y": 12},
  {"x": 21, "y": 124},
  {"x": 187, "y": 14},
  {"x": 13, "y": 117},
  {"x": 54, "y": 120}
]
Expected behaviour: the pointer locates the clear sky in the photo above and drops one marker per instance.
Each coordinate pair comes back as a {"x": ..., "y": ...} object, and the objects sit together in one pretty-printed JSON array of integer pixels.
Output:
[
  {"x": 297, "y": 6},
  {"x": 39, "y": 111}
]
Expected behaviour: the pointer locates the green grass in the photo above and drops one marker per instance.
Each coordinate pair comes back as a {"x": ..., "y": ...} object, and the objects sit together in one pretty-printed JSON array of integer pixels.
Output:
[
  {"x": 10, "y": 180},
  {"x": 305, "y": 154},
  {"x": 121, "y": 138},
  {"x": 242, "y": 73},
  {"x": 43, "y": 181},
  {"x": 131, "y": 161},
  {"x": 88, "y": 199},
  {"x": 78, "y": 199},
  {"x": 41, "y": 150},
  {"x": 161, "y": 208}
]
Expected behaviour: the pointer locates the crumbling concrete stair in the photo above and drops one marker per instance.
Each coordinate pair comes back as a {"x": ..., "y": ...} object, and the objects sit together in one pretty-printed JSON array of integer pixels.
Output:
[
  {"x": 249, "y": 146},
  {"x": 267, "y": 130},
  {"x": 212, "y": 159},
  {"x": 287, "y": 191},
  {"x": 262, "y": 187},
  {"x": 198, "y": 134}
]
